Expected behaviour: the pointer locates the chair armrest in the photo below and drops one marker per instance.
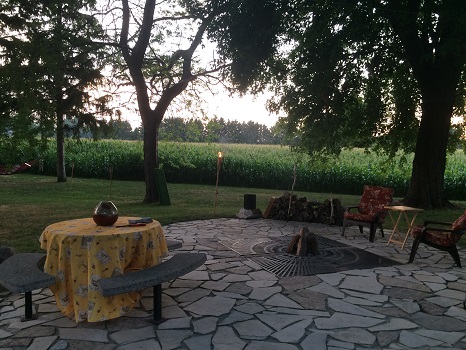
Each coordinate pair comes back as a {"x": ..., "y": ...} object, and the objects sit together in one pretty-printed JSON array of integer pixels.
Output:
[
  {"x": 445, "y": 231},
  {"x": 429, "y": 222},
  {"x": 438, "y": 229}
]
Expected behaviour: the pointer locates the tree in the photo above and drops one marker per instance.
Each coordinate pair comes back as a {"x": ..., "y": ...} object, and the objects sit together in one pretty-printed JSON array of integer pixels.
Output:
[
  {"x": 172, "y": 129},
  {"x": 121, "y": 130},
  {"x": 157, "y": 76},
  {"x": 15, "y": 132},
  {"x": 374, "y": 73},
  {"x": 49, "y": 57},
  {"x": 159, "y": 69},
  {"x": 194, "y": 130},
  {"x": 215, "y": 130}
]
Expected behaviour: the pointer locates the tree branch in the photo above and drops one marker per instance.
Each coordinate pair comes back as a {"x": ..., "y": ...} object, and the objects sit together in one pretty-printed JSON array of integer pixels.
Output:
[
  {"x": 144, "y": 34},
  {"x": 125, "y": 31},
  {"x": 403, "y": 19},
  {"x": 216, "y": 69}
]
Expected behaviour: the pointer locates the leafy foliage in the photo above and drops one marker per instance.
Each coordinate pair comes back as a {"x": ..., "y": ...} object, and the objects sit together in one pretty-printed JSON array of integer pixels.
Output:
[
  {"x": 349, "y": 83},
  {"x": 247, "y": 35},
  {"x": 384, "y": 75},
  {"x": 48, "y": 65}
]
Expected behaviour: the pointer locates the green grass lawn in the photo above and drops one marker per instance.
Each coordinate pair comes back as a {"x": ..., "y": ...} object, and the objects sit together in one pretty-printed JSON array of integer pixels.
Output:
[{"x": 29, "y": 203}]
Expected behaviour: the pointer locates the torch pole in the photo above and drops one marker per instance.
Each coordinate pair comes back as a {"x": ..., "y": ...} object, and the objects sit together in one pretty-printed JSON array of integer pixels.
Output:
[
  {"x": 291, "y": 195},
  {"x": 219, "y": 165},
  {"x": 110, "y": 170}
]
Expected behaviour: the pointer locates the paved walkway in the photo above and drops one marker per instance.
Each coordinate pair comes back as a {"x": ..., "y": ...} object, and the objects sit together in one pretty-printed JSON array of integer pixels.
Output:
[{"x": 232, "y": 303}]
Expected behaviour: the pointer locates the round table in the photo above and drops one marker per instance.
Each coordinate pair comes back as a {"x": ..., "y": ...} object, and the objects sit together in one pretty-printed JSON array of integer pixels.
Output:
[{"x": 80, "y": 253}]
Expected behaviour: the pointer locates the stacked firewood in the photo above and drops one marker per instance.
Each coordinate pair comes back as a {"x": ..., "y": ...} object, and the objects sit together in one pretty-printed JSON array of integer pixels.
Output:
[{"x": 292, "y": 208}]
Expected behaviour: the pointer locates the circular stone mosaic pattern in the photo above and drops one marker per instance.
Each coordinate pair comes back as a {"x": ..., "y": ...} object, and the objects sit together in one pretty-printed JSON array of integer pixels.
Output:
[{"x": 334, "y": 256}]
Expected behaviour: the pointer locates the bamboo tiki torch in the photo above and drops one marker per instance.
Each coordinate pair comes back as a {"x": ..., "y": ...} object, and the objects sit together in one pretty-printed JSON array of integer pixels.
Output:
[
  {"x": 291, "y": 195},
  {"x": 110, "y": 171},
  {"x": 219, "y": 165}
]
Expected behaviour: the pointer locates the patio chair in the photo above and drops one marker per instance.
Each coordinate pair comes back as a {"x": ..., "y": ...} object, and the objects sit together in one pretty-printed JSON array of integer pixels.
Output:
[
  {"x": 439, "y": 235},
  {"x": 371, "y": 210}
]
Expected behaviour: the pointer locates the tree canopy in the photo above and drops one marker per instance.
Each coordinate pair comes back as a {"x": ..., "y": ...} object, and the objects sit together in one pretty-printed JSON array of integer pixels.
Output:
[
  {"x": 50, "y": 65},
  {"x": 377, "y": 74}
]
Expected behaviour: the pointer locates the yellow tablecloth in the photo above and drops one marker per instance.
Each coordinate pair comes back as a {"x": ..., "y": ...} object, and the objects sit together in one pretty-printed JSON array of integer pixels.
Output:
[{"x": 80, "y": 253}]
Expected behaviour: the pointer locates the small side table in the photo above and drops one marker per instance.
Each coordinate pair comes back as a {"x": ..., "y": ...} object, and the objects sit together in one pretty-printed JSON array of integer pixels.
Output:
[{"x": 397, "y": 236}]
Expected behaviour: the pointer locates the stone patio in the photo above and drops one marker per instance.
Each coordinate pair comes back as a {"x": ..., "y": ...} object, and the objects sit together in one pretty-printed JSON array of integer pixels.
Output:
[{"x": 233, "y": 303}]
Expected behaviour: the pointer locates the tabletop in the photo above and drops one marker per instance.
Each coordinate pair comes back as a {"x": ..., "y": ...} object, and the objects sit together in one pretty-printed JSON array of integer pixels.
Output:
[
  {"x": 402, "y": 208},
  {"x": 80, "y": 253}
]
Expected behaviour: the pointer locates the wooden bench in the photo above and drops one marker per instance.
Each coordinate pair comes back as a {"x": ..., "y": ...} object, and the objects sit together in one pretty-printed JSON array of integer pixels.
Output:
[
  {"x": 22, "y": 273},
  {"x": 179, "y": 265}
]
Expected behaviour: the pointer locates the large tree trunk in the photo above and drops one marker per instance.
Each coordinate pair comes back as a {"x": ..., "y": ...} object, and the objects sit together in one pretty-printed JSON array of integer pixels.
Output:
[
  {"x": 426, "y": 188},
  {"x": 61, "y": 171},
  {"x": 427, "y": 180},
  {"x": 151, "y": 157},
  {"x": 437, "y": 57}
]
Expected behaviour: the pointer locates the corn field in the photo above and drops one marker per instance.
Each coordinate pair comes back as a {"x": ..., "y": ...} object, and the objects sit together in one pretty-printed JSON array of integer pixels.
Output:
[{"x": 257, "y": 166}]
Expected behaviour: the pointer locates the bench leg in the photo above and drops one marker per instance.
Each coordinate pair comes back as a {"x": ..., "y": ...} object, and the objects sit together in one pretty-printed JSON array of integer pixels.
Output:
[
  {"x": 28, "y": 315},
  {"x": 158, "y": 304}
]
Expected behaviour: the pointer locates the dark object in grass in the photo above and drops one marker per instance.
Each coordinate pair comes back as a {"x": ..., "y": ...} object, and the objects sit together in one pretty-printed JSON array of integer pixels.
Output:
[{"x": 9, "y": 170}]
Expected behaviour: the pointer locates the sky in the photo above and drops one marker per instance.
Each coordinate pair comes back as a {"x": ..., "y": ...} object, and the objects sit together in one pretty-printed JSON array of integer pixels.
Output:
[{"x": 243, "y": 109}]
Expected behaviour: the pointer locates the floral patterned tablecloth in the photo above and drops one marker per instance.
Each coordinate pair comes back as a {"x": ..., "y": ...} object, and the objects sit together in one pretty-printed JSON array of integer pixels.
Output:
[{"x": 80, "y": 253}]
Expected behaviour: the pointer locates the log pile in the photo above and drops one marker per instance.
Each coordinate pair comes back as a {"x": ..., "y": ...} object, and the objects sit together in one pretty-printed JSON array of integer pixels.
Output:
[
  {"x": 303, "y": 243},
  {"x": 291, "y": 208}
]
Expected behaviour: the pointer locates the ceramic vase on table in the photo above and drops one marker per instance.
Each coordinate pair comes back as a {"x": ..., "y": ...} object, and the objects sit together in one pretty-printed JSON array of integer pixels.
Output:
[{"x": 105, "y": 213}]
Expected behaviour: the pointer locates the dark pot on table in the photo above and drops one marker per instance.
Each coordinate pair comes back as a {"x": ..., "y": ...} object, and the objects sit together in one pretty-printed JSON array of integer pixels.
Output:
[{"x": 105, "y": 214}]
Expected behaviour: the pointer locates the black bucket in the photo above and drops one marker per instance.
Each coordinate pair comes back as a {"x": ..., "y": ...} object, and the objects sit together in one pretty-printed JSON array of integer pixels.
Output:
[{"x": 249, "y": 201}]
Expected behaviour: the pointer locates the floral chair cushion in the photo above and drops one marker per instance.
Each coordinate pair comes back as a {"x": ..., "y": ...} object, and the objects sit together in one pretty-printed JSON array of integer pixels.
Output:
[
  {"x": 361, "y": 217},
  {"x": 373, "y": 201},
  {"x": 441, "y": 238}
]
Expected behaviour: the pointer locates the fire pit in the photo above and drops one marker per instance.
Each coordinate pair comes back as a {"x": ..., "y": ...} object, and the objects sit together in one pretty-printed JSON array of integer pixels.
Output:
[{"x": 271, "y": 254}]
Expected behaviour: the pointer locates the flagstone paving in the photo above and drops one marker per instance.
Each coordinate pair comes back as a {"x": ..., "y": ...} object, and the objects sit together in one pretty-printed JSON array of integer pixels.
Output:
[{"x": 233, "y": 303}]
